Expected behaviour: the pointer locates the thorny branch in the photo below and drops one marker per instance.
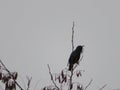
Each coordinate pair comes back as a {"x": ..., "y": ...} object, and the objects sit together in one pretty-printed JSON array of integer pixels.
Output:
[
  {"x": 10, "y": 74},
  {"x": 52, "y": 77}
]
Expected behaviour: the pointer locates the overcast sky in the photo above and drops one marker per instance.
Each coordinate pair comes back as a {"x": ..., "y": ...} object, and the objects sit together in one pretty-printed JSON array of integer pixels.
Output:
[{"x": 34, "y": 33}]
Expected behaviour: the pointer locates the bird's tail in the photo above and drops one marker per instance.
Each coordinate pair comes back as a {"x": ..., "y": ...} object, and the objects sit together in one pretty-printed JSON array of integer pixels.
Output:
[{"x": 70, "y": 67}]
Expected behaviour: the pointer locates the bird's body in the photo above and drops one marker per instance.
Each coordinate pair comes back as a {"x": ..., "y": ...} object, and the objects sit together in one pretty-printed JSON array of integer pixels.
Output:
[{"x": 75, "y": 56}]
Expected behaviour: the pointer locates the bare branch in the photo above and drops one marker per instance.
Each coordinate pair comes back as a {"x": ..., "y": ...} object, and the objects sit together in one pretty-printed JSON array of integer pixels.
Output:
[
  {"x": 52, "y": 77},
  {"x": 72, "y": 50},
  {"x": 103, "y": 87},
  {"x": 71, "y": 79},
  {"x": 73, "y": 36},
  {"x": 89, "y": 84},
  {"x": 10, "y": 75},
  {"x": 29, "y": 81}
]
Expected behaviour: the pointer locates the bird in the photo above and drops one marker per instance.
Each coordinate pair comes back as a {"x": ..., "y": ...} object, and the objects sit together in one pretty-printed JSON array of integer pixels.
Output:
[{"x": 75, "y": 56}]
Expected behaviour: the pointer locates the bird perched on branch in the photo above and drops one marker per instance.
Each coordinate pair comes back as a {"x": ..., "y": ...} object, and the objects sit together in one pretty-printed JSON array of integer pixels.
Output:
[{"x": 75, "y": 56}]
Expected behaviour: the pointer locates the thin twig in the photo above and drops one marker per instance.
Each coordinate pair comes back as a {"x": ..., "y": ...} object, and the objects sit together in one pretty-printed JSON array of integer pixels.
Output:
[
  {"x": 52, "y": 77},
  {"x": 81, "y": 58},
  {"x": 11, "y": 75},
  {"x": 73, "y": 36},
  {"x": 103, "y": 87},
  {"x": 29, "y": 81},
  {"x": 71, "y": 80},
  {"x": 89, "y": 84}
]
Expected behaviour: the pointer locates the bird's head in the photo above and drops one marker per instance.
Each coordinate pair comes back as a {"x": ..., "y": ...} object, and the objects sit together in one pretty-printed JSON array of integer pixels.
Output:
[{"x": 80, "y": 48}]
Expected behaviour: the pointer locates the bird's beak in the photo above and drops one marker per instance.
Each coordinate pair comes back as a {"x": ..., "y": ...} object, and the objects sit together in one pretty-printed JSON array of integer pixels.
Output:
[{"x": 83, "y": 45}]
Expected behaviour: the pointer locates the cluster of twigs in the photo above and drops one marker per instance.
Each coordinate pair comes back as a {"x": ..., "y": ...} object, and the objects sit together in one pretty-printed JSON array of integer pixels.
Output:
[{"x": 9, "y": 78}]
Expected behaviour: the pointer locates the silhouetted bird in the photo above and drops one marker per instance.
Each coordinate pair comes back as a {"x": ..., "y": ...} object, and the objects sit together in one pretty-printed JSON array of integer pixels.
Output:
[{"x": 75, "y": 56}]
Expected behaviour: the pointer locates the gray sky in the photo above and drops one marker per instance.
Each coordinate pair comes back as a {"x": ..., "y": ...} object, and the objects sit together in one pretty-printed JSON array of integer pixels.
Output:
[{"x": 34, "y": 33}]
